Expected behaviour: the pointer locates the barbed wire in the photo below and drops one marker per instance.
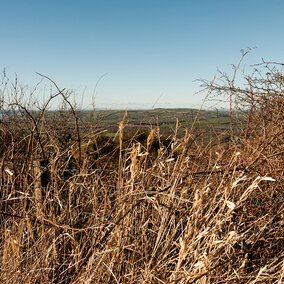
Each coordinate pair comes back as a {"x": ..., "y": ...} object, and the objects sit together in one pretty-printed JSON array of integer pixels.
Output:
[
  {"x": 49, "y": 187},
  {"x": 201, "y": 173}
]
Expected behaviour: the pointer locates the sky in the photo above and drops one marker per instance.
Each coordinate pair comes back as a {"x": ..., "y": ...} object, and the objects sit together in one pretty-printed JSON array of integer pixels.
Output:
[{"x": 135, "y": 53}]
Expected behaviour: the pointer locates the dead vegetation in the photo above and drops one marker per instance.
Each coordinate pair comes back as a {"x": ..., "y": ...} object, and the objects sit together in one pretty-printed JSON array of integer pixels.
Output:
[{"x": 192, "y": 212}]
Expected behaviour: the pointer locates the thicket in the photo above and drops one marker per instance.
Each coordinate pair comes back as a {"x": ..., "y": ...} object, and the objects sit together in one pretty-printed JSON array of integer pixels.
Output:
[{"x": 80, "y": 206}]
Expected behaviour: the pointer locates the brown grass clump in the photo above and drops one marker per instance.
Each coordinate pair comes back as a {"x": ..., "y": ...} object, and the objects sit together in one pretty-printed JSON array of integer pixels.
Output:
[{"x": 187, "y": 211}]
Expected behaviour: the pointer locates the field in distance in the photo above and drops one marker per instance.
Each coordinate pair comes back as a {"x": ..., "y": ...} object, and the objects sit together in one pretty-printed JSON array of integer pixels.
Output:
[{"x": 166, "y": 119}]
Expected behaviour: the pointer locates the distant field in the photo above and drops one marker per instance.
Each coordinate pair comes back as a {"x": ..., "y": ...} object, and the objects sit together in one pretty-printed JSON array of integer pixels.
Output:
[{"x": 166, "y": 119}]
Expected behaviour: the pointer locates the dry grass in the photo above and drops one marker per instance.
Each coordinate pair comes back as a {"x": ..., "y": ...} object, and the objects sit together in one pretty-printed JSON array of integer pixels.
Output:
[{"x": 195, "y": 212}]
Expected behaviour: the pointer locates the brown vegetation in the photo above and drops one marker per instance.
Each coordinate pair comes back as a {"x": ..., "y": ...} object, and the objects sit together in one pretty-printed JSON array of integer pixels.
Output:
[{"x": 83, "y": 207}]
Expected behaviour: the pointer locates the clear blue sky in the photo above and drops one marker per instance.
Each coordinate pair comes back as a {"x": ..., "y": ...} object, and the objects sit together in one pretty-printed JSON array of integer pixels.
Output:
[{"x": 148, "y": 48}]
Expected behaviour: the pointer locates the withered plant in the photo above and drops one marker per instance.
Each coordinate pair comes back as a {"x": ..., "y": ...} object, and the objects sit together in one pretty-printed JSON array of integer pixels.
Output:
[{"x": 79, "y": 207}]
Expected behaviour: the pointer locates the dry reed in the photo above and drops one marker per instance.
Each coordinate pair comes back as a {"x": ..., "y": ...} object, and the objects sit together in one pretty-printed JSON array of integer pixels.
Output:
[{"x": 196, "y": 212}]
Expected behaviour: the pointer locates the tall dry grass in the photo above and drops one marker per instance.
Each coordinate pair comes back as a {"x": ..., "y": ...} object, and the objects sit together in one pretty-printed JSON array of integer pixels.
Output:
[{"x": 198, "y": 211}]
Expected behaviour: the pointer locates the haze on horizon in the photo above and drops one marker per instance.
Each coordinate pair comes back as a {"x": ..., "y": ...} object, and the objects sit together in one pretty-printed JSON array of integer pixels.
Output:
[{"x": 137, "y": 54}]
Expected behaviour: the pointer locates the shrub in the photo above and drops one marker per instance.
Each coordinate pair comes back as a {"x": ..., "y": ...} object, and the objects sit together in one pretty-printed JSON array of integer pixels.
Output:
[{"x": 140, "y": 207}]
